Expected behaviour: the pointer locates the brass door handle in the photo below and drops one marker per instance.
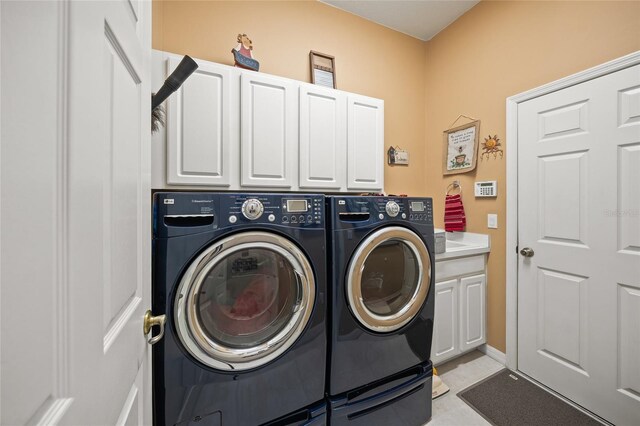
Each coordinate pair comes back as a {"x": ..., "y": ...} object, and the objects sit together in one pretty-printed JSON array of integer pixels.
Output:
[
  {"x": 527, "y": 252},
  {"x": 149, "y": 322}
]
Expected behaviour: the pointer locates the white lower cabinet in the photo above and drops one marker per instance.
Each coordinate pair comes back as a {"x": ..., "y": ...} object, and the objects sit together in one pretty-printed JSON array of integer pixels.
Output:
[
  {"x": 460, "y": 314},
  {"x": 445, "y": 326},
  {"x": 472, "y": 312}
]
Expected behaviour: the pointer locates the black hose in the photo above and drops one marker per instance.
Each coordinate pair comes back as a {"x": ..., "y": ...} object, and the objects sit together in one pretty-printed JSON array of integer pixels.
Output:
[{"x": 186, "y": 67}]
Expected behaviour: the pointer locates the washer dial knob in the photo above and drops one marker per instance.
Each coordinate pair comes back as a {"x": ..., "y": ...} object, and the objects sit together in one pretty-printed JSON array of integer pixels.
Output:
[
  {"x": 392, "y": 208},
  {"x": 252, "y": 209}
]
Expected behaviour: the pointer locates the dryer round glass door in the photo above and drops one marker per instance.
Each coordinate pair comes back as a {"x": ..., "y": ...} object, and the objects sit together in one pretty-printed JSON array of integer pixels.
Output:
[
  {"x": 244, "y": 301},
  {"x": 388, "y": 279}
]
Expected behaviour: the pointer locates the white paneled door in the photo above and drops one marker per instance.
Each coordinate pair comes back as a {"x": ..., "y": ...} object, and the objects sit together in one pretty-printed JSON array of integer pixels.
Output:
[
  {"x": 365, "y": 143},
  {"x": 446, "y": 327},
  {"x": 202, "y": 125},
  {"x": 75, "y": 212},
  {"x": 579, "y": 227},
  {"x": 268, "y": 131},
  {"x": 323, "y": 138},
  {"x": 472, "y": 311}
]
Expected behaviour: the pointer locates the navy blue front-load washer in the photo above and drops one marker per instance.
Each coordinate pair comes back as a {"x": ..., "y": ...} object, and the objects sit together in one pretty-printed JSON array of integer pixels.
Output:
[
  {"x": 382, "y": 303},
  {"x": 242, "y": 280}
]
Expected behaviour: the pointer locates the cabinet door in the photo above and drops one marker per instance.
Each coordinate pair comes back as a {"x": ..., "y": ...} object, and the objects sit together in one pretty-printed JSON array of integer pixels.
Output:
[
  {"x": 472, "y": 312},
  {"x": 269, "y": 131},
  {"x": 365, "y": 143},
  {"x": 202, "y": 126},
  {"x": 323, "y": 138},
  {"x": 445, "y": 324}
]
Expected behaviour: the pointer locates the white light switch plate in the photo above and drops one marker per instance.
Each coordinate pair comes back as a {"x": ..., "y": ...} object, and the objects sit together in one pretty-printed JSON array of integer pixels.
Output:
[{"x": 492, "y": 221}]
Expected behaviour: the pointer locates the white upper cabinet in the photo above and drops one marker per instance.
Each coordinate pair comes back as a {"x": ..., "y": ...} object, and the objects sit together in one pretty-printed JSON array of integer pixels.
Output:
[
  {"x": 202, "y": 126},
  {"x": 323, "y": 138},
  {"x": 269, "y": 130},
  {"x": 234, "y": 129},
  {"x": 365, "y": 143}
]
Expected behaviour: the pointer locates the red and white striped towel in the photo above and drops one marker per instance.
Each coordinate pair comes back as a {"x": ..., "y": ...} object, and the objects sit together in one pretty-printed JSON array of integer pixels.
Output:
[{"x": 454, "y": 218}]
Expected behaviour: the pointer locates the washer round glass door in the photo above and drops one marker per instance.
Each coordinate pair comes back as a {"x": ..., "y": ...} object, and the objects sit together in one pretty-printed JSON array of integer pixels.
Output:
[
  {"x": 244, "y": 301},
  {"x": 388, "y": 279}
]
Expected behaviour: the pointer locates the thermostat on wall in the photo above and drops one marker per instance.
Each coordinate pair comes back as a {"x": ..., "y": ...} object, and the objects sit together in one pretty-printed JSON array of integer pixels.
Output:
[{"x": 486, "y": 189}]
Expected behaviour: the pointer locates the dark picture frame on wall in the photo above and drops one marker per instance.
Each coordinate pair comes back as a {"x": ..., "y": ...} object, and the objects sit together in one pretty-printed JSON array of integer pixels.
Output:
[
  {"x": 323, "y": 69},
  {"x": 460, "y": 151}
]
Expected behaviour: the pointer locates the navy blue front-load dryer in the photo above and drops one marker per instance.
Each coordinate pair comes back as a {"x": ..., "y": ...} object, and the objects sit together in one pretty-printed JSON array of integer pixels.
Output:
[
  {"x": 242, "y": 280},
  {"x": 382, "y": 304}
]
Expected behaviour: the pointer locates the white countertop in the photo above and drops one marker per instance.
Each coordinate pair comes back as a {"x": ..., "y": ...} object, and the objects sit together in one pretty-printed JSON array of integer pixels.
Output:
[{"x": 461, "y": 244}]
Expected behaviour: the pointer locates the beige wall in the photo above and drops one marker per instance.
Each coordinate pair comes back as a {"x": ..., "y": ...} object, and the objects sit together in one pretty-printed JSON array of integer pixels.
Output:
[
  {"x": 370, "y": 59},
  {"x": 494, "y": 51}
]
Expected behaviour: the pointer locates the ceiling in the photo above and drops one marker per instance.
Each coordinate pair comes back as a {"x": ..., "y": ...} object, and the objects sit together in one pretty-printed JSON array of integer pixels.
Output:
[{"x": 421, "y": 19}]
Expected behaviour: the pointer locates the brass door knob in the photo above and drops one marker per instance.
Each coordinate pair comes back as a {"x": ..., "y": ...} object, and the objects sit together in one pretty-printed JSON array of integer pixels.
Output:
[
  {"x": 527, "y": 252},
  {"x": 149, "y": 322}
]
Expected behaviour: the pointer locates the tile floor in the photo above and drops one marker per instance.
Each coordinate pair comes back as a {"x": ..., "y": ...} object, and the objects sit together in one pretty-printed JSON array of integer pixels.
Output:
[{"x": 458, "y": 374}]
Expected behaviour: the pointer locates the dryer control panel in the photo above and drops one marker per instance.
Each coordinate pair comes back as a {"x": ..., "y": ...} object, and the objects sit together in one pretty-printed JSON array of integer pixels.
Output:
[
  {"x": 414, "y": 209},
  {"x": 372, "y": 209},
  {"x": 421, "y": 211}
]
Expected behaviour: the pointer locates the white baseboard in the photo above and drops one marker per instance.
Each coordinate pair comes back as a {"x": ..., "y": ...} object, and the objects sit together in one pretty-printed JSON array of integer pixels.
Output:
[{"x": 493, "y": 353}]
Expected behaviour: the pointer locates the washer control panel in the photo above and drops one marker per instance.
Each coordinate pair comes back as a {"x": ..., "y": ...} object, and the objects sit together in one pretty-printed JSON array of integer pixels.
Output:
[
  {"x": 290, "y": 210},
  {"x": 185, "y": 213},
  {"x": 301, "y": 211}
]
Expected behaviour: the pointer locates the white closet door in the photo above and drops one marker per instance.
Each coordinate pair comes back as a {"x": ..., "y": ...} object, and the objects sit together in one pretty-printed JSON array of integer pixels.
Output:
[
  {"x": 76, "y": 210},
  {"x": 202, "y": 126},
  {"x": 323, "y": 138},
  {"x": 578, "y": 204},
  {"x": 269, "y": 131},
  {"x": 365, "y": 143}
]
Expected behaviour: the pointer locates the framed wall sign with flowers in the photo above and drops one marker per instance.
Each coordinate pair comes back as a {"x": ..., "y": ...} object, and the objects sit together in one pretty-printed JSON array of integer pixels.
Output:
[{"x": 460, "y": 150}]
